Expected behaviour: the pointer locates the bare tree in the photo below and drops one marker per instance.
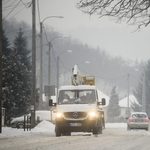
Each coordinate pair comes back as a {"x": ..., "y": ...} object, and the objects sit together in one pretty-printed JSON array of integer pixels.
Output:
[{"x": 133, "y": 11}]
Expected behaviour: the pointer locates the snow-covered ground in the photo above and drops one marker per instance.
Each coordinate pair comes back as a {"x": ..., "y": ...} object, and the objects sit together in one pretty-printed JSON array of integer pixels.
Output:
[
  {"x": 46, "y": 126},
  {"x": 114, "y": 137}
]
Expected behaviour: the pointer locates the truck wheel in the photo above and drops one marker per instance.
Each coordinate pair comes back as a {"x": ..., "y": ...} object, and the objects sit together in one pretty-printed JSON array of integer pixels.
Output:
[
  {"x": 57, "y": 131},
  {"x": 66, "y": 134},
  {"x": 100, "y": 130},
  {"x": 95, "y": 130}
]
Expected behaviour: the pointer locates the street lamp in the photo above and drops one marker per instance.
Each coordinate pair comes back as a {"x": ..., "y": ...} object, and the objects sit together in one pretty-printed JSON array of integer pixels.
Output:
[
  {"x": 128, "y": 75},
  {"x": 41, "y": 58},
  {"x": 68, "y": 51},
  {"x": 49, "y": 53}
]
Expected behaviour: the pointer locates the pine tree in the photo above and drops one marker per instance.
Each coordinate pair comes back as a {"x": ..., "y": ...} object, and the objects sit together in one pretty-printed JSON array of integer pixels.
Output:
[
  {"x": 20, "y": 44},
  {"x": 5, "y": 46},
  {"x": 16, "y": 87},
  {"x": 138, "y": 91},
  {"x": 113, "y": 108}
]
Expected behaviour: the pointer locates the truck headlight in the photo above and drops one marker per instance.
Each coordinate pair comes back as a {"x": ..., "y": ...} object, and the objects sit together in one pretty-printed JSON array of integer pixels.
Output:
[
  {"x": 58, "y": 115},
  {"x": 92, "y": 114}
]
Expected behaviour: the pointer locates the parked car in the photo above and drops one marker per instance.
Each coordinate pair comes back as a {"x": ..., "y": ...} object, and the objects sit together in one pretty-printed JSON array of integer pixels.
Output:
[
  {"x": 39, "y": 116},
  {"x": 138, "y": 120}
]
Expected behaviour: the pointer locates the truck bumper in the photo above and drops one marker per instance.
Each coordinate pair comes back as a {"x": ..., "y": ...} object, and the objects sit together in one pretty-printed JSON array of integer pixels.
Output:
[{"x": 76, "y": 126}]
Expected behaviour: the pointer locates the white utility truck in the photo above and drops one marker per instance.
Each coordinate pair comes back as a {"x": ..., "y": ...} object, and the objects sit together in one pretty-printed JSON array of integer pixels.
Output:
[{"x": 78, "y": 107}]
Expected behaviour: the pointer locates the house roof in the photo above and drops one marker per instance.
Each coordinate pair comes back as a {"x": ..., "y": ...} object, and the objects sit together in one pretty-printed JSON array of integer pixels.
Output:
[{"x": 124, "y": 102}]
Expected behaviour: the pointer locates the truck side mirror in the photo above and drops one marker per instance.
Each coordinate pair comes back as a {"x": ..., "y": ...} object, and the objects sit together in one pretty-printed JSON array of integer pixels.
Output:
[
  {"x": 103, "y": 101},
  {"x": 50, "y": 102}
]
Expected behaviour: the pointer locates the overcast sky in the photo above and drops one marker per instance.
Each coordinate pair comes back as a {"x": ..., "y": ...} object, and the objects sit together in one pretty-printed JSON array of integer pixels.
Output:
[{"x": 116, "y": 39}]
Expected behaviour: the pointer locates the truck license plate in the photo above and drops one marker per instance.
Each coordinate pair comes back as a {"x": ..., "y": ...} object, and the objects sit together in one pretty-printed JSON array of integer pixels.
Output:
[{"x": 75, "y": 124}]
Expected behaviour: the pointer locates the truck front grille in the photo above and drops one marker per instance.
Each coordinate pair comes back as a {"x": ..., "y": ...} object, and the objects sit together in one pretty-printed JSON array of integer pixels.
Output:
[{"x": 75, "y": 115}]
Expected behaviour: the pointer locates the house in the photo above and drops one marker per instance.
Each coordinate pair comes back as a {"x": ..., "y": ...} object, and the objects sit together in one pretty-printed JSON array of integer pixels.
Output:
[{"x": 124, "y": 105}]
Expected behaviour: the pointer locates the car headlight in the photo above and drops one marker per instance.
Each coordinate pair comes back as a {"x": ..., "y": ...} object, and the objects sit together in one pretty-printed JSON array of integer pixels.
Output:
[
  {"x": 58, "y": 115},
  {"x": 92, "y": 114}
]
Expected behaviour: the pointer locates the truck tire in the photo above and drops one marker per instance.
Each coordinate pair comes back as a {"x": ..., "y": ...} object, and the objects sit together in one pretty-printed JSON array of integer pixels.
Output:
[
  {"x": 95, "y": 130},
  {"x": 66, "y": 134},
  {"x": 100, "y": 130},
  {"x": 57, "y": 132}
]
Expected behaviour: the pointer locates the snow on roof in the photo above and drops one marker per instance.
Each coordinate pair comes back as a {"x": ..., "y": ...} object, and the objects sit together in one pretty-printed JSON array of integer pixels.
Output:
[
  {"x": 124, "y": 102},
  {"x": 102, "y": 95}
]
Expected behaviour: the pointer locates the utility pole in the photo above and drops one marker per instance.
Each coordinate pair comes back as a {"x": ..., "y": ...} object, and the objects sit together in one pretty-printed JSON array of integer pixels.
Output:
[
  {"x": 41, "y": 66},
  {"x": 128, "y": 97},
  {"x": 0, "y": 66},
  {"x": 57, "y": 75},
  {"x": 49, "y": 65},
  {"x": 143, "y": 94},
  {"x": 33, "y": 91}
]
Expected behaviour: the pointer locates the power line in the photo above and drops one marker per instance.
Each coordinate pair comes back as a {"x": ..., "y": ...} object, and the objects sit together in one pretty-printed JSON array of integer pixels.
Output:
[
  {"x": 9, "y": 5},
  {"x": 64, "y": 65},
  {"x": 46, "y": 35},
  {"x": 116, "y": 78},
  {"x": 6, "y": 2},
  {"x": 28, "y": 4},
  {"x": 11, "y": 10},
  {"x": 17, "y": 12},
  {"x": 54, "y": 54}
]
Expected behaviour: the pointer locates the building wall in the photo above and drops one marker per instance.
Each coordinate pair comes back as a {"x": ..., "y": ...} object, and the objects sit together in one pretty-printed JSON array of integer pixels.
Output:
[{"x": 123, "y": 112}]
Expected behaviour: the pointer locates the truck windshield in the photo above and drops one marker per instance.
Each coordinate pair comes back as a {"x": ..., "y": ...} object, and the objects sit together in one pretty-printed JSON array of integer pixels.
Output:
[{"x": 76, "y": 97}]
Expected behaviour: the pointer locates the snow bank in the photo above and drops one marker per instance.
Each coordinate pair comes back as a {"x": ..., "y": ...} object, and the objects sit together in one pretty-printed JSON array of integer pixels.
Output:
[
  {"x": 116, "y": 125},
  {"x": 44, "y": 126}
]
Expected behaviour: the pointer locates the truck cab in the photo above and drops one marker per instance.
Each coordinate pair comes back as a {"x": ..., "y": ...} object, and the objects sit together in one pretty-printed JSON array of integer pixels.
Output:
[{"x": 78, "y": 110}]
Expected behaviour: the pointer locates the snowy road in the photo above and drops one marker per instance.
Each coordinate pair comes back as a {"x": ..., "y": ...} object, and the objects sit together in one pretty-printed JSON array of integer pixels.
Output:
[{"x": 113, "y": 138}]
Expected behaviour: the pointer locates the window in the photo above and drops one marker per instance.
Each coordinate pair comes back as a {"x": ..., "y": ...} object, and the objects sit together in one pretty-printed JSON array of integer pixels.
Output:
[
  {"x": 139, "y": 116},
  {"x": 77, "y": 97}
]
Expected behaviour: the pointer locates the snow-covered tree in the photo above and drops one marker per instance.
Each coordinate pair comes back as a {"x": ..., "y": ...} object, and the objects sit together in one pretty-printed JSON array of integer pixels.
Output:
[
  {"x": 16, "y": 86},
  {"x": 20, "y": 44},
  {"x": 138, "y": 91},
  {"x": 5, "y": 46},
  {"x": 113, "y": 108}
]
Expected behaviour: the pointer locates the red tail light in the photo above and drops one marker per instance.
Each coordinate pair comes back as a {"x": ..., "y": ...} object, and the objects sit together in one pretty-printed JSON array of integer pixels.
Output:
[
  {"x": 147, "y": 119},
  {"x": 130, "y": 119}
]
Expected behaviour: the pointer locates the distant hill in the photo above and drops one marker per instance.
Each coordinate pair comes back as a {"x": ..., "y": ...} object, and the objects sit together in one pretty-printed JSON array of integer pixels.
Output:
[{"x": 108, "y": 70}]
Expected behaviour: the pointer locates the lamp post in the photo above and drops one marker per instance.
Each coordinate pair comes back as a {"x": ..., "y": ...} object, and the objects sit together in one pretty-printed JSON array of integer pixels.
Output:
[
  {"x": 69, "y": 51},
  {"x": 41, "y": 57},
  {"x": 49, "y": 54}
]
